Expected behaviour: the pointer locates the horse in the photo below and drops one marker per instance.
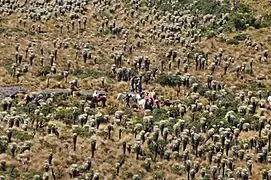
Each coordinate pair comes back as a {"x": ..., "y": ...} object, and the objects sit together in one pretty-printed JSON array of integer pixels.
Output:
[
  {"x": 121, "y": 96},
  {"x": 136, "y": 98},
  {"x": 95, "y": 100},
  {"x": 142, "y": 103},
  {"x": 133, "y": 97}
]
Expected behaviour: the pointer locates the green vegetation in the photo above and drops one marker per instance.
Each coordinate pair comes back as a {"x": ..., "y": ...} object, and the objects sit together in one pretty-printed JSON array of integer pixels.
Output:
[
  {"x": 21, "y": 136},
  {"x": 65, "y": 115},
  {"x": 159, "y": 114},
  {"x": 239, "y": 18},
  {"x": 31, "y": 174},
  {"x": 12, "y": 173},
  {"x": 232, "y": 41},
  {"x": 240, "y": 36},
  {"x": 169, "y": 80},
  {"x": 3, "y": 146},
  {"x": 252, "y": 86},
  {"x": 43, "y": 70},
  {"x": 82, "y": 131},
  {"x": 85, "y": 73}
]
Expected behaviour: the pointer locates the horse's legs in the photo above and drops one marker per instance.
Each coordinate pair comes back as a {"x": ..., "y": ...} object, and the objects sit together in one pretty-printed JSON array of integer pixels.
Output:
[
  {"x": 103, "y": 100},
  {"x": 95, "y": 103},
  {"x": 104, "y": 103}
]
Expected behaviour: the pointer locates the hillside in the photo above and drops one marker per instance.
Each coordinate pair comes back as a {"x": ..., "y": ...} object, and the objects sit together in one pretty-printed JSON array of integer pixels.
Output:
[{"x": 209, "y": 68}]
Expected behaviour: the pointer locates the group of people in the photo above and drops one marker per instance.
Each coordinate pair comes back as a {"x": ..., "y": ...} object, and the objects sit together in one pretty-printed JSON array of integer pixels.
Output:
[
  {"x": 149, "y": 99},
  {"x": 136, "y": 87},
  {"x": 146, "y": 100},
  {"x": 136, "y": 84}
]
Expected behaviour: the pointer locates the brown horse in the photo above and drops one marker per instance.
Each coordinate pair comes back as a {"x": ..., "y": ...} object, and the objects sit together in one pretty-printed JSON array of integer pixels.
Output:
[{"x": 96, "y": 101}]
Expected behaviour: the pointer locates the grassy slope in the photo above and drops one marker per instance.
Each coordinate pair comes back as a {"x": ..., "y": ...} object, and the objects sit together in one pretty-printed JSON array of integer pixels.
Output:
[
  {"x": 259, "y": 7},
  {"x": 108, "y": 151}
]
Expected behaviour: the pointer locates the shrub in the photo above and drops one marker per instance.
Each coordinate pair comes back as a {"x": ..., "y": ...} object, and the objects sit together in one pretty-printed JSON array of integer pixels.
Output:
[
  {"x": 157, "y": 175},
  {"x": 7, "y": 66},
  {"x": 2, "y": 30},
  {"x": 232, "y": 41},
  {"x": 169, "y": 80},
  {"x": 103, "y": 33},
  {"x": 239, "y": 19},
  {"x": 210, "y": 34},
  {"x": 159, "y": 114},
  {"x": 46, "y": 109},
  {"x": 13, "y": 173},
  {"x": 202, "y": 89},
  {"x": 22, "y": 136},
  {"x": 243, "y": 17},
  {"x": 266, "y": 21},
  {"x": 3, "y": 146},
  {"x": 81, "y": 131},
  {"x": 65, "y": 115},
  {"x": 240, "y": 37},
  {"x": 210, "y": 7},
  {"x": 31, "y": 174},
  {"x": 43, "y": 71}
]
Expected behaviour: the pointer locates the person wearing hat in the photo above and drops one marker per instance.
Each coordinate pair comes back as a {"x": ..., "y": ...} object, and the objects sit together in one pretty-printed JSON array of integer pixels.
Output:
[
  {"x": 127, "y": 100},
  {"x": 132, "y": 84},
  {"x": 139, "y": 85},
  {"x": 96, "y": 94},
  {"x": 74, "y": 85}
]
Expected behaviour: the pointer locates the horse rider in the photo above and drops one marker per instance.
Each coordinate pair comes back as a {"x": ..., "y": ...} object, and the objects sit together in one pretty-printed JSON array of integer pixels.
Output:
[
  {"x": 132, "y": 84},
  {"x": 157, "y": 103},
  {"x": 73, "y": 85},
  {"x": 96, "y": 95},
  {"x": 127, "y": 100},
  {"x": 150, "y": 101},
  {"x": 139, "y": 85}
]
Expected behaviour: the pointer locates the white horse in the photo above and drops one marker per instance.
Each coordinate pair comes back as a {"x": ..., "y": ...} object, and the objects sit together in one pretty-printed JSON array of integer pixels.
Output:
[
  {"x": 142, "y": 103},
  {"x": 133, "y": 97},
  {"x": 269, "y": 100},
  {"x": 136, "y": 98}
]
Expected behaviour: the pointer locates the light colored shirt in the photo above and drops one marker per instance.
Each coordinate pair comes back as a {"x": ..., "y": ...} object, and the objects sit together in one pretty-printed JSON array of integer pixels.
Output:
[{"x": 95, "y": 94}]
